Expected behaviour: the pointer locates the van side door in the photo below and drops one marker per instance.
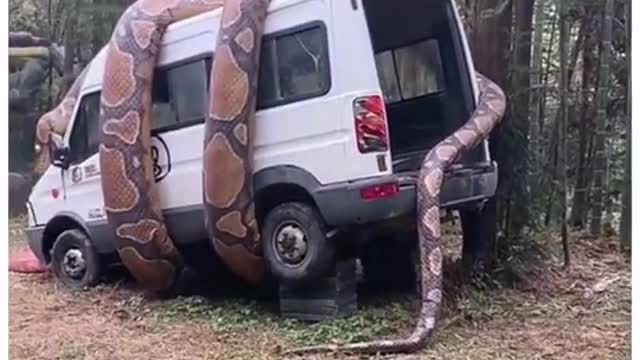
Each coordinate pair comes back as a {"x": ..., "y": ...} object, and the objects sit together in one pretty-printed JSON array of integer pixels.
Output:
[
  {"x": 83, "y": 191},
  {"x": 177, "y": 121}
]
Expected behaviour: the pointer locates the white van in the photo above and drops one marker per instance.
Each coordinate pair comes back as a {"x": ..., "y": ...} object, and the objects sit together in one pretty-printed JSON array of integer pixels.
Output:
[{"x": 326, "y": 66}]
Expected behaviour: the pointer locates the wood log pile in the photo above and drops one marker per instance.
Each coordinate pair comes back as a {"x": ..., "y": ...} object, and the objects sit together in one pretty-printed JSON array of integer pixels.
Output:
[
  {"x": 31, "y": 59},
  {"x": 23, "y": 44}
]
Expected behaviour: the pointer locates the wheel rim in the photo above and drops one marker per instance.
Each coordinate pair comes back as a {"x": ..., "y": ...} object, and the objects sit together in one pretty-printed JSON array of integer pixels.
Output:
[
  {"x": 290, "y": 244},
  {"x": 73, "y": 264}
]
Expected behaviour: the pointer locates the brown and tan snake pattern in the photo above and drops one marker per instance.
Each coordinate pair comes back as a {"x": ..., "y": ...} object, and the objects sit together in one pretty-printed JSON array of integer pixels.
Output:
[
  {"x": 129, "y": 190},
  {"x": 227, "y": 168},
  {"x": 488, "y": 113}
]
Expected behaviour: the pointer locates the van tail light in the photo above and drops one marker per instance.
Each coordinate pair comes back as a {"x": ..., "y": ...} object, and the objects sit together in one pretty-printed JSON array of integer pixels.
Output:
[
  {"x": 381, "y": 191},
  {"x": 371, "y": 124}
]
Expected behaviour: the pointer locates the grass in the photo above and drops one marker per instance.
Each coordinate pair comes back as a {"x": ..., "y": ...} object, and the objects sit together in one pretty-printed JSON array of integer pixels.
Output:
[
  {"x": 541, "y": 312},
  {"x": 371, "y": 321}
]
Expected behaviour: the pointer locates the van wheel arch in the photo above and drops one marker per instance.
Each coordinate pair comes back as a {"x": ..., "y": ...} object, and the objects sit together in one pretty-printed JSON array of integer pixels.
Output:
[
  {"x": 276, "y": 194},
  {"x": 56, "y": 226},
  {"x": 285, "y": 183}
]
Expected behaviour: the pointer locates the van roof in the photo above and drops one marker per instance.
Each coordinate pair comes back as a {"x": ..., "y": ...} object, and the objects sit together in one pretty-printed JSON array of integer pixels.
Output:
[{"x": 177, "y": 31}]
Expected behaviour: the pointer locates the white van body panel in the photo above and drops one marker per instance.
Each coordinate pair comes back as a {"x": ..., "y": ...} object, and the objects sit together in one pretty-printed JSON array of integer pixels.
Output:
[{"x": 46, "y": 198}]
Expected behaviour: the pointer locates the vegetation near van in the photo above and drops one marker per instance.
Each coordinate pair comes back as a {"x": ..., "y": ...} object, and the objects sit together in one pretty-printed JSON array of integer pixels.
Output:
[{"x": 350, "y": 99}]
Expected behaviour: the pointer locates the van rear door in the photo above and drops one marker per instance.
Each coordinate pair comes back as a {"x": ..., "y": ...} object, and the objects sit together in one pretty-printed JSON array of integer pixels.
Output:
[{"x": 425, "y": 73}]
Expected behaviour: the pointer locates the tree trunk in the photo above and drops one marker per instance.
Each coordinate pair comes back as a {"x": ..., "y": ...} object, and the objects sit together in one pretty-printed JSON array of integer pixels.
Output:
[
  {"x": 562, "y": 136},
  {"x": 578, "y": 210},
  {"x": 551, "y": 151},
  {"x": 536, "y": 75},
  {"x": 490, "y": 36},
  {"x": 491, "y": 39},
  {"x": 97, "y": 26},
  {"x": 69, "y": 48},
  {"x": 601, "y": 125},
  {"x": 520, "y": 121},
  {"x": 543, "y": 100},
  {"x": 625, "y": 225},
  {"x": 52, "y": 36}
]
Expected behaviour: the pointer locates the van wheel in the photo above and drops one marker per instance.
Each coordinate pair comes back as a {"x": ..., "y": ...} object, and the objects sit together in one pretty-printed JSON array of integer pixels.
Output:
[
  {"x": 74, "y": 260},
  {"x": 295, "y": 243}
]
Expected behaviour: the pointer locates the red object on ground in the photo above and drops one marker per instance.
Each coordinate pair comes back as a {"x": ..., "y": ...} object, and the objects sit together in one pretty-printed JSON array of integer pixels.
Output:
[{"x": 25, "y": 262}]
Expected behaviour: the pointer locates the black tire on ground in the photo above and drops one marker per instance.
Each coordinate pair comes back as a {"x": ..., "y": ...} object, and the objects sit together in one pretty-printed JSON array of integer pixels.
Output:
[
  {"x": 74, "y": 260},
  {"x": 479, "y": 234},
  {"x": 295, "y": 243}
]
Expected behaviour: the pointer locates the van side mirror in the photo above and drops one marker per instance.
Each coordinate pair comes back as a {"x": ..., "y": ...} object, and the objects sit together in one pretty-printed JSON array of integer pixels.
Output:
[{"x": 58, "y": 153}]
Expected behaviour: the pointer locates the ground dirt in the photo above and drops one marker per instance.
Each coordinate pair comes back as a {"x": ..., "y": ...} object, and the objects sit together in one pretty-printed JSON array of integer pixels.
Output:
[{"x": 533, "y": 310}]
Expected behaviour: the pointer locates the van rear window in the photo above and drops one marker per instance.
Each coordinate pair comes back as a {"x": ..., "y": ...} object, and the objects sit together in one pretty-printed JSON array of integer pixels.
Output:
[{"x": 411, "y": 71}]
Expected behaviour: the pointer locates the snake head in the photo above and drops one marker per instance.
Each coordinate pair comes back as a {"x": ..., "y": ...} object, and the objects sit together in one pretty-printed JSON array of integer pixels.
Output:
[{"x": 42, "y": 152}]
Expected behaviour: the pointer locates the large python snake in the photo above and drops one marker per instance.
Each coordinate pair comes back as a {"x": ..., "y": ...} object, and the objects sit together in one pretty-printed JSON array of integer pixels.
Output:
[{"x": 129, "y": 189}]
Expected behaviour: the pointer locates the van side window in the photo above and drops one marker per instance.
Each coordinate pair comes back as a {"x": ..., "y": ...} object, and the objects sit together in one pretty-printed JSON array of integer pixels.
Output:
[
  {"x": 411, "y": 71},
  {"x": 180, "y": 95},
  {"x": 388, "y": 77},
  {"x": 85, "y": 137},
  {"x": 293, "y": 66}
]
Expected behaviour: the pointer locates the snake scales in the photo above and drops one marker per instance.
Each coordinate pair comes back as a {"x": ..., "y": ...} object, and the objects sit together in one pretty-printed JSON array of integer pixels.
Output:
[{"x": 129, "y": 190}]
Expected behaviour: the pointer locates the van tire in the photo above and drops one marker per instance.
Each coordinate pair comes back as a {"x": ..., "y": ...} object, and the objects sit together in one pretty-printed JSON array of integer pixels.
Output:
[
  {"x": 288, "y": 227},
  {"x": 74, "y": 260}
]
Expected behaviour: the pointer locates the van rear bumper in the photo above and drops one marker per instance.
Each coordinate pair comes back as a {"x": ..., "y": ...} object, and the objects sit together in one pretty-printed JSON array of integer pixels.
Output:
[{"x": 342, "y": 205}]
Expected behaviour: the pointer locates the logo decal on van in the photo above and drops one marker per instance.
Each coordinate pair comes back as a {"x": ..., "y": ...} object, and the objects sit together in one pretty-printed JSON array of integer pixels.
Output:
[
  {"x": 90, "y": 170},
  {"x": 160, "y": 157},
  {"x": 76, "y": 174}
]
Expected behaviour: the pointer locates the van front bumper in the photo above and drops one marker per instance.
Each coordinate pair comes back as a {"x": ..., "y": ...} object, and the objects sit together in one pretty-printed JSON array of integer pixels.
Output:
[
  {"x": 34, "y": 238},
  {"x": 342, "y": 205}
]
